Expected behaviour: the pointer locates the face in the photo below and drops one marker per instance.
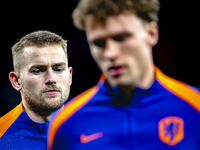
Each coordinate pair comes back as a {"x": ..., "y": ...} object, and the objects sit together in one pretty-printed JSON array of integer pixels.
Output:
[
  {"x": 45, "y": 78},
  {"x": 121, "y": 47}
]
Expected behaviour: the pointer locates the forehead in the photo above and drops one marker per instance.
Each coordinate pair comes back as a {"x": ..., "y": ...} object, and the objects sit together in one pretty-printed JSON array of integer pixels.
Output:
[
  {"x": 124, "y": 22},
  {"x": 44, "y": 55}
]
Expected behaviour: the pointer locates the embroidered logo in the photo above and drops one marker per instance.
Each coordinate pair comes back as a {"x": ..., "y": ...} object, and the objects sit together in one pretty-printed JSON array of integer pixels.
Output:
[
  {"x": 87, "y": 138},
  {"x": 171, "y": 130}
]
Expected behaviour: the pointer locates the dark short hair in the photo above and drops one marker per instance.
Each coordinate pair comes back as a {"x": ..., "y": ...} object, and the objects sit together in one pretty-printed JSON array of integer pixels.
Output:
[{"x": 147, "y": 10}]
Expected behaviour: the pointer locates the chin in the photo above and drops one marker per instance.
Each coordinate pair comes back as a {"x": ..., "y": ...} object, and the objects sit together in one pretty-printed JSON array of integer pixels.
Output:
[
  {"x": 122, "y": 82},
  {"x": 54, "y": 103},
  {"x": 125, "y": 85}
]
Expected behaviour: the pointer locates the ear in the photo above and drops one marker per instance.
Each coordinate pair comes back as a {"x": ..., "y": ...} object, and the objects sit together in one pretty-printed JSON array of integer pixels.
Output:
[
  {"x": 70, "y": 74},
  {"x": 14, "y": 79},
  {"x": 153, "y": 31}
]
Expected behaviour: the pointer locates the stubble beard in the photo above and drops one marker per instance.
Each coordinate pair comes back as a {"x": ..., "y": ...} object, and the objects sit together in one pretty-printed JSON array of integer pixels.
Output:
[{"x": 42, "y": 104}]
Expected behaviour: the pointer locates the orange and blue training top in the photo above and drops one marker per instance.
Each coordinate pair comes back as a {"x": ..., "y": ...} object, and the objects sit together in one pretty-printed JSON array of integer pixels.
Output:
[
  {"x": 19, "y": 132},
  {"x": 165, "y": 116}
]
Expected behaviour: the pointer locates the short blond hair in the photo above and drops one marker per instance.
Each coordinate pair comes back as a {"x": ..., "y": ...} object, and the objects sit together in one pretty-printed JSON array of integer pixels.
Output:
[
  {"x": 147, "y": 10},
  {"x": 37, "y": 39}
]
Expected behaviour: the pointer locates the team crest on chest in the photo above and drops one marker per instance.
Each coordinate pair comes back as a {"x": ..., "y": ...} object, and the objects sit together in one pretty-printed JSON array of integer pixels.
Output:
[{"x": 171, "y": 130}]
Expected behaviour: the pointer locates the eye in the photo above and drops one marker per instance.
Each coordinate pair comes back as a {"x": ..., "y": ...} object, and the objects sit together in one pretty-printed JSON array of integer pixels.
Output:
[
  {"x": 100, "y": 42},
  {"x": 121, "y": 37},
  {"x": 59, "y": 69},
  {"x": 36, "y": 71}
]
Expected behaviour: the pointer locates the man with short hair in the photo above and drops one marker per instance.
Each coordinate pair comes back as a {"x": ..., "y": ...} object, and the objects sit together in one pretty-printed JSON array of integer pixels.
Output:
[
  {"x": 134, "y": 105},
  {"x": 42, "y": 76}
]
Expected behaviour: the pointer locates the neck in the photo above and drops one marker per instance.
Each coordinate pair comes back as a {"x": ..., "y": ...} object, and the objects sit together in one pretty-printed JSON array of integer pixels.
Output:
[
  {"x": 126, "y": 93},
  {"x": 34, "y": 116},
  {"x": 38, "y": 117},
  {"x": 144, "y": 82},
  {"x": 147, "y": 78}
]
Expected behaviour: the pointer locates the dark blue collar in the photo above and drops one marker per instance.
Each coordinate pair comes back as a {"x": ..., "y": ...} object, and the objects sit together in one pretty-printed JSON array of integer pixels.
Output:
[{"x": 140, "y": 96}]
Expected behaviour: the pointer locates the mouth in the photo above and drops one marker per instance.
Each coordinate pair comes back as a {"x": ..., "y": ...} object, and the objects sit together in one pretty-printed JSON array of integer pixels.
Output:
[
  {"x": 116, "y": 71},
  {"x": 51, "y": 92}
]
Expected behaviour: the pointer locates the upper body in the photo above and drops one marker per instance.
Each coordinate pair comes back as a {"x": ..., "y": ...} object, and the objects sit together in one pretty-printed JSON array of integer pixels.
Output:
[
  {"x": 42, "y": 76},
  {"x": 19, "y": 132},
  {"x": 165, "y": 116},
  {"x": 148, "y": 113}
]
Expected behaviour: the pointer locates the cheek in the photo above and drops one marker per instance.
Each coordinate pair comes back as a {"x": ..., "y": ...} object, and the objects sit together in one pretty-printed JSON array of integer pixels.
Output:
[
  {"x": 27, "y": 86},
  {"x": 97, "y": 53},
  {"x": 134, "y": 61},
  {"x": 98, "y": 56},
  {"x": 136, "y": 49},
  {"x": 33, "y": 83},
  {"x": 64, "y": 79}
]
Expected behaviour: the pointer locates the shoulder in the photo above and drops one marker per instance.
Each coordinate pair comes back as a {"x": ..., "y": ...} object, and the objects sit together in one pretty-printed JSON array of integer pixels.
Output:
[
  {"x": 196, "y": 88},
  {"x": 76, "y": 103},
  {"x": 187, "y": 93},
  {"x": 69, "y": 110},
  {"x": 7, "y": 120},
  {"x": 73, "y": 106}
]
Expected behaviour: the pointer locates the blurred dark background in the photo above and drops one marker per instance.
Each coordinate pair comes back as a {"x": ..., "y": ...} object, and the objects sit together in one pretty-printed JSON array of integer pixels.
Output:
[{"x": 176, "y": 54}]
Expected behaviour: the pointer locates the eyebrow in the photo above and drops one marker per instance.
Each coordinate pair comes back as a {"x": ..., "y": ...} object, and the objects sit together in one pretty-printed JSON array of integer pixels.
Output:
[
  {"x": 59, "y": 64},
  {"x": 111, "y": 35},
  {"x": 53, "y": 65}
]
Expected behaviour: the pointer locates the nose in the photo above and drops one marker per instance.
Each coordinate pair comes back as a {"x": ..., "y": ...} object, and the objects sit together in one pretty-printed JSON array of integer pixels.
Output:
[
  {"x": 112, "y": 50},
  {"x": 50, "y": 77}
]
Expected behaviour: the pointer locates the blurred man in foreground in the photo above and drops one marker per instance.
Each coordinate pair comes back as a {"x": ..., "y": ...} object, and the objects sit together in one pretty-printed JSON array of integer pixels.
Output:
[
  {"x": 134, "y": 105},
  {"x": 42, "y": 76}
]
